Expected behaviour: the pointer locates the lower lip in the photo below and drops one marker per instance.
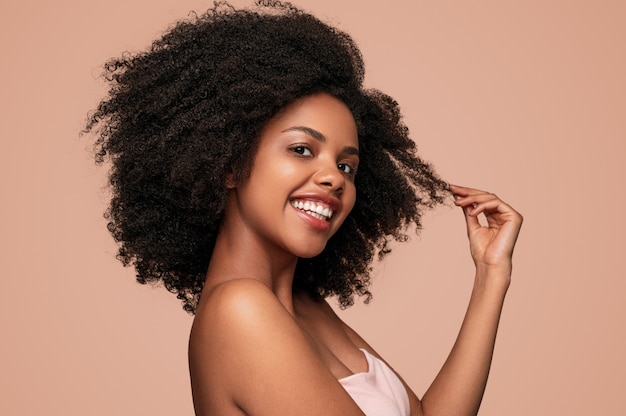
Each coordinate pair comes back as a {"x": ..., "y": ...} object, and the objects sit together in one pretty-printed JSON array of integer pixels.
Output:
[{"x": 316, "y": 223}]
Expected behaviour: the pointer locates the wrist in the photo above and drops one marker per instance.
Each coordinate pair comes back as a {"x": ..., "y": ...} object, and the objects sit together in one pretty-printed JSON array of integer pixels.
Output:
[{"x": 491, "y": 277}]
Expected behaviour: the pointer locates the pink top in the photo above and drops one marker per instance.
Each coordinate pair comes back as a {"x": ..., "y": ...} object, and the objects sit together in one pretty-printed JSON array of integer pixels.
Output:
[{"x": 379, "y": 391}]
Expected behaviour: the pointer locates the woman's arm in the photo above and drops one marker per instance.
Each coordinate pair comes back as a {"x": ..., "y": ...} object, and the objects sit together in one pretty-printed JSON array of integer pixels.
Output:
[{"x": 459, "y": 386}]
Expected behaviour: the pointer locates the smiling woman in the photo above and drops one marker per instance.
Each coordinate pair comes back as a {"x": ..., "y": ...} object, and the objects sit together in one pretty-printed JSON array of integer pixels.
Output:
[
  {"x": 254, "y": 176},
  {"x": 307, "y": 157}
]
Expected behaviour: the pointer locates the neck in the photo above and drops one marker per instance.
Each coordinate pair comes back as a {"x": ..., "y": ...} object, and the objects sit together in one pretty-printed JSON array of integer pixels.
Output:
[{"x": 239, "y": 254}]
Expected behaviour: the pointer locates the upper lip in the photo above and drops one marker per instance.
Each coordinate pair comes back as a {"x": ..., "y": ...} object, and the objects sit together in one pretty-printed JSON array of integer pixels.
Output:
[{"x": 332, "y": 202}]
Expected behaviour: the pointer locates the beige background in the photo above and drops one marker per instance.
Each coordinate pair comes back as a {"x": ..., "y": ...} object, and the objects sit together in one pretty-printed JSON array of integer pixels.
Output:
[{"x": 526, "y": 99}]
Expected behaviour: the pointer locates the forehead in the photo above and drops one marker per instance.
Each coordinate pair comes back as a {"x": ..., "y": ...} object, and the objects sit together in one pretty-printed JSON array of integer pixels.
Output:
[{"x": 320, "y": 112}]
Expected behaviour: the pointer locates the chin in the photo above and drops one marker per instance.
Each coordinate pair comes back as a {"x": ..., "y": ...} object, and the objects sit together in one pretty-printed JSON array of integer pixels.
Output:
[{"x": 309, "y": 252}]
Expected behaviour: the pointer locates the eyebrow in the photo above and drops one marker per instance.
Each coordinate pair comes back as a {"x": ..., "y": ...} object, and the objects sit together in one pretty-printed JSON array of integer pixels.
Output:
[{"x": 351, "y": 150}]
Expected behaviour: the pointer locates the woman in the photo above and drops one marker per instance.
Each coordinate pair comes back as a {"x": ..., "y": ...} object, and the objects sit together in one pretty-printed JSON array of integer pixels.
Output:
[{"x": 254, "y": 176}]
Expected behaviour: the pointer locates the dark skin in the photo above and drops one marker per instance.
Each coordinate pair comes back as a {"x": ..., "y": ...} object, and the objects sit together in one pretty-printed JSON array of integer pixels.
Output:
[{"x": 256, "y": 348}]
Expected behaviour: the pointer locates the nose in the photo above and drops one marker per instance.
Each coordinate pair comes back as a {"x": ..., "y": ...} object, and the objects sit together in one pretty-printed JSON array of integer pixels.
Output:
[{"x": 330, "y": 178}]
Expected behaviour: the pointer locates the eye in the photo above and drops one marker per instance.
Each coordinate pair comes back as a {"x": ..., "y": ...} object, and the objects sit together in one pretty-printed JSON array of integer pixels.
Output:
[
  {"x": 302, "y": 150},
  {"x": 346, "y": 168}
]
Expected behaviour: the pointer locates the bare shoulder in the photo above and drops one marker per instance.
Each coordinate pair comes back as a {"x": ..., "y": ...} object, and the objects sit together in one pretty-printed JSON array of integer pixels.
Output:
[
  {"x": 235, "y": 324},
  {"x": 246, "y": 351},
  {"x": 233, "y": 304}
]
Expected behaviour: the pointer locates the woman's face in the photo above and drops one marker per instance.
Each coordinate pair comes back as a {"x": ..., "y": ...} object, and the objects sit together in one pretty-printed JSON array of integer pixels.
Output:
[{"x": 301, "y": 184}]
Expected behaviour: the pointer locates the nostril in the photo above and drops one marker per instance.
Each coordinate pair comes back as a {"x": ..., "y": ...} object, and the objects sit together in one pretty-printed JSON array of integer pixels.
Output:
[{"x": 337, "y": 188}]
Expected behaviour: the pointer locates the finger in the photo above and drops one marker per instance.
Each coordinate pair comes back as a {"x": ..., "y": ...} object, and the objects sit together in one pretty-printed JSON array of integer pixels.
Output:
[
  {"x": 475, "y": 199},
  {"x": 471, "y": 221},
  {"x": 488, "y": 206},
  {"x": 493, "y": 207},
  {"x": 471, "y": 197},
  {"x": 465, "y": 191}
]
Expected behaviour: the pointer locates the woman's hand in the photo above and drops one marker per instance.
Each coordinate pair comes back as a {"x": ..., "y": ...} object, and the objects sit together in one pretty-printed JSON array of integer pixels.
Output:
[{"x": 492, "y": 245}]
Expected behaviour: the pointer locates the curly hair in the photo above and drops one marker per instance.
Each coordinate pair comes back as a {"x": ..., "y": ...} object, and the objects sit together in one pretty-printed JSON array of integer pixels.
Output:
[{"x": 187, "y": 112}]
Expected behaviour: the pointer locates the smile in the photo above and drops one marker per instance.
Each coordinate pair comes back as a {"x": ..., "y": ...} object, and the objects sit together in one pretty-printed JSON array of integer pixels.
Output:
[{"x": 318, "y": 210}]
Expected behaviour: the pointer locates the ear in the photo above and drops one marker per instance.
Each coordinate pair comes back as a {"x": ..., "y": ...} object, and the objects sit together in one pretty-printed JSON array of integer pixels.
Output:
[{"x": 230, "y": 181}]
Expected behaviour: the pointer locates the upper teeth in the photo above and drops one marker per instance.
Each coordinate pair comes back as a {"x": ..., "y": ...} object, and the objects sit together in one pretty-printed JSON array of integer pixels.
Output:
[{"x": 314, "y": 208}]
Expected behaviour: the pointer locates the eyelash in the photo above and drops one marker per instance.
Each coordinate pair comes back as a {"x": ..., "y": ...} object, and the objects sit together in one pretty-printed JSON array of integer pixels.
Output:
[
  {"x": 352, "y": 170},
  {"x": 300, "y": 150}
]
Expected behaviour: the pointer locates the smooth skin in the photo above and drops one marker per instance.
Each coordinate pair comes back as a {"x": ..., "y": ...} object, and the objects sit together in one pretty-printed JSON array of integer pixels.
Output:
[{"x": 258, "y": 348}]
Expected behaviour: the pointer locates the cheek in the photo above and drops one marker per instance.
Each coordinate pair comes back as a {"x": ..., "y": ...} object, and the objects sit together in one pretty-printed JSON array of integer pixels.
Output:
[
  {"x": 348, "y": 201},
  {"x": 349, "y": 198},
  {"x": 279, "y": 170}
]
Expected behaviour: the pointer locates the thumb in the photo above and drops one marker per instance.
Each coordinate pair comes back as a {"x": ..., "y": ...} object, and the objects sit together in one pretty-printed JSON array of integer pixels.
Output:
[{"x": 471, "y": 220}]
